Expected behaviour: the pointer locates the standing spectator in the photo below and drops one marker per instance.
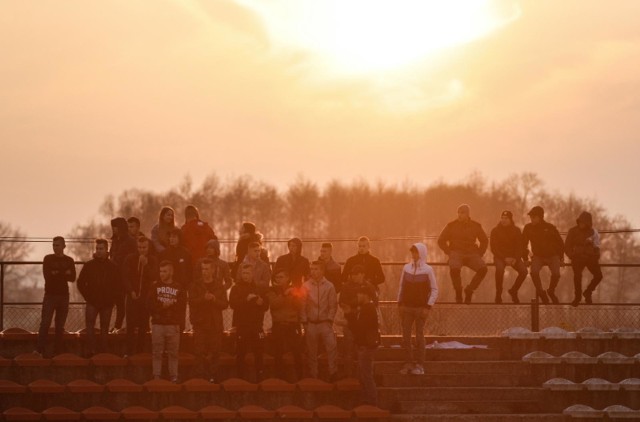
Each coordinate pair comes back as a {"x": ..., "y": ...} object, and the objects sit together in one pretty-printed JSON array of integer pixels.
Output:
[
  {"x": 333, "y": 272},
  {"x": 583, "y": 248},
  {"x": 318, "y": 312},
  {"x": 179, "y": 257},
  {"x": 207, "y": 300},
  {"x": 285, "y": 302},
  {"x": 140, "y": 272},
  {"x": 195, "y": 233},
  {"x": 221, "y": 271},
  {"x": 122, "y": 245},
  {"x": 548, "y": 250},
  {"x": 417, "y": 294},
  {"x": 99, "y": 283},
  {"x": 296, "y": 265},
  {"x": 133, "y": 224},
  {"x": 166, "y": 305},
  {"x": 249, "y": 306},
  {"x": 364, "y": 326},
  {"x": 58, "y": 270},
  {"x": 160, "y": 232},
  {"x": 506, "y": 246},
  {"x": 373, "y": 273},
  {"x": 348, "y": 302},
  {"x": 261, "y": 270},
  {"x": 464, "y": 241},
  {"x": 248, "y": 235}
]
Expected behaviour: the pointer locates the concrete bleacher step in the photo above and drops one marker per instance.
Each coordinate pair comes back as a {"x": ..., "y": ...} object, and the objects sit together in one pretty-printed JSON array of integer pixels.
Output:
[
  {"x": 540, "y": 417},
  {"x": 497, "y": 367},
  {"x": 451, "y": 380},
  {"x": 397, "y": 354},
  {"x": 468, "y": 407},
  {"x": 388, "y": 396}
]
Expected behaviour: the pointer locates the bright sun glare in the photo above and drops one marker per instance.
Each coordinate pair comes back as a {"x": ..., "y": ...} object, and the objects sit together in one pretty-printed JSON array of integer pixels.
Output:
[{"x": 363, "y": 36}]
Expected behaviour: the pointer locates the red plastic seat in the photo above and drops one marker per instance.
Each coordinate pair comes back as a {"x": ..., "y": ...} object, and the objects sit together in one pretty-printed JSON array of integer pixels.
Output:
[
  {"x": 31, "y": 360},
  {"x": 225, "y": 359},
  {"x": 293, "y": 412},
  {"x": 10, "y": 387},
  {"x": 140, "y": 359},
  {"x": 97, "y": 413},
  {"x": 161, "y": 386},
  {"x": 120, "y": 385},
  {"x": 370, "y": 412},
  {"x": 15, "y": 333},
  {"x": 275, "y": 384},
  {"x": 255, "y": 412},
  {"x": 84, "y": 386},
  {"x": 329, "y": 411},
  {"x": 59, "y": 413},
  {"x": 178, "y": 412},
  {"x": 216, "y": 413},
  {"x": 199, "y": 385},
  {"x": 43, "y": 386},
  {"x": 20, "y": 414},
  {"x": 69, "y": 359},
  {"x": 138, "y": 413},
  {"x": 348, "y": 384},
  {"x": 4, "y": 362},
  {"x": 186, "y": 359},
  {"x": 108, "y": 359},
  {"x": 237, "y": 384},
  {"x": 314, "y": 384}
]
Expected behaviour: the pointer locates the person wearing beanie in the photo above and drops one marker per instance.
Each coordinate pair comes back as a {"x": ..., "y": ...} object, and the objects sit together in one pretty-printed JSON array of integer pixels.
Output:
[
  {"x": 464, "y": 241},
  {"x": 582, "y": 246},
  {"x": 248, "y": 234},
  {"x": 221, "y": 269},
  {"x": 506, "y": 246},
  {"x": 547, "y": 249},
  {"x": 296, "y": 265},
  {"x": 195, "y": 233},
  {"x": 122, "y": 245}
]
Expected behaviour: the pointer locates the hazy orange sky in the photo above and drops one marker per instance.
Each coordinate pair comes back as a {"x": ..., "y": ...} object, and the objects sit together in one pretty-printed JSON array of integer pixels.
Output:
[{"x": 98, "y": 97}]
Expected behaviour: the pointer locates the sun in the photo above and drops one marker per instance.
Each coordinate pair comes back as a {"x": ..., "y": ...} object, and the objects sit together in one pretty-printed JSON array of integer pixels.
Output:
[{"x": 363, "y": 36}]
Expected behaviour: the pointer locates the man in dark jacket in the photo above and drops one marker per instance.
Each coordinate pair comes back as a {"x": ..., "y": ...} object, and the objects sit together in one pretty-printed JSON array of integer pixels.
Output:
[
  {"x": 180, "y": 257},
  {"x": 166, "y": 304},
  {"x": 207, "y": 300},
  {"x": 58, "y": 270},
  {"x": 582, "y": 246},
  {"x": 506, "y": 246},
  {"x": 364, "y": 326},
  {"x": 249, "y": 306},
  {"x": 140, "y": 272},
  {"x": 221, "y": 268},
  {"x": 332, "y": 270},
  {"x": 548, "y": 250},
  {"x": 296, "y": 265},
  {"x": 122, "y": 245},
  {"x": 373, "y": 273},
  {"x": 99, "y": 282},
  {"x": 465, "y": 242}
]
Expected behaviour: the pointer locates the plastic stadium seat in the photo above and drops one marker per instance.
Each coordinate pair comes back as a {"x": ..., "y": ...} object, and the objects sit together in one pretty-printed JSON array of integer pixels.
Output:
[
  {"x": 616, "y": 358},
  {"x": 293, "y": 412},
  {"x": 15, "y": 333},
  {"x": 140, "y": 359},
  {"x": 578, "y": 358},
  {"x": 256, "y": 412},
  {"x": 314, "y": 384},
  {"x": 20, "y": 414},
  {"x": 216, "y": 413},
  {"x": 178, "y": 412},
  {"x": 200, "y": 385},
  {"x": 539, "y": 357},
  {"x": 226, "y": 359},
  {"x": 561, "y": 384},
  {"x": 4, "y": 362},
  {"x": 237, "y": 384},
  {"x": 138, "y": 413},
  {"x": 556, "y": 333},
  {"x": 121, "y": 385},
  {"x": 161, "y": 386},
  {"x": 348, "y": 384},
  {"x": 31, "y": 359},
  {"x": 84, "y": 386},
  {"x": 108, "y": 359},
  {"x": 370, "y": 412},
  {"x": 10, "y": 387},
  {"x": 329, "y": 411},
  {"x": 599, "y": 384},
  {"x": 98, "y": 413},
  {"x": 520, "y": 333},
  {"x": 630, "y": 384},
  {"x": 583, "y": 411},
  {"x": 186, "y": 359},
  {"x": 592, "y": 333},
  {"x": 43, "y": 386},
  {"x": 69, "y": 359},
  {"x": 59, "y": 413},
  {"x": 617, "y": 411},
  {"x": 275, "y": 384}
]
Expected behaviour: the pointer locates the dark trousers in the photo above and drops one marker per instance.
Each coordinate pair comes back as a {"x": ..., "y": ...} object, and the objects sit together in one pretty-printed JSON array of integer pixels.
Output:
[
  {"x": 137, "y": 325},
  {"x": 250, "y": 341},
  {"x": 578, "y": 266},
  {"x": 90, "y": 316},
  {"x": 58, "y": 304},
  {"x": 365, "y": 374},
  {"x": 350, "y": 351},
  {"x": 207, "y": 342},
  {"x": 474, "y": 261},
  {"x": 120, "y": 309},
  {"x": 500, "y": 267},
  {"x": 553, "y": 262},
  {"x": 287, "y": 338}
]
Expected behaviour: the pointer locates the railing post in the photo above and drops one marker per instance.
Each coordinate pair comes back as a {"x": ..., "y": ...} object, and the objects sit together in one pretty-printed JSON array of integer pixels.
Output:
[
  {"x": 535, "y": 315},
  {"x": 1, "y": 296}
]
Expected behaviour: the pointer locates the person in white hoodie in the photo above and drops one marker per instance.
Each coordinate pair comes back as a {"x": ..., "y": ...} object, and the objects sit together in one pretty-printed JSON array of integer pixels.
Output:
[{"x": 417, "y": 294}]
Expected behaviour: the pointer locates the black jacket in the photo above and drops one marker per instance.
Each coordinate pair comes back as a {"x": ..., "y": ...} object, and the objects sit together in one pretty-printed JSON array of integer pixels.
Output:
[
  {"x": 583, "y": 243},
  {"x": 207, "y": 313},
  {"x": 138, "y": 278},
  {"x": 545, "y": 240},
  {"x": 57, "y": 272},
  {"x": 173, "y": 294},
  {"x": 364, "y": 326},
  {"x": 182, "y": 265},
  {"x": 121, "y": 247},
  {"x": 506, "y": 241},
  {"x": 333, "y": 273},
  {"x": 373, "y": 273},
  {"x": 297, "y": 267},
  {"x": 248, "y": 315},
  {"x": 100, "y": 282},
  {"x": 459, "y": 236}
]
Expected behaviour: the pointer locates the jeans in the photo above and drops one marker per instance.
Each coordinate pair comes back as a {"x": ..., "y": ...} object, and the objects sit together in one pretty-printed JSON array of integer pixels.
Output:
[
  {"x": 411, "y": 316},
  {"x": 457, "y": 260},
  {"x": 553, "y": 262},
  {"x": 287, "y": 338},
  {"x": 58, "y": 304},
  {"x": 137, "y": 325},
  {"x": 365, "y": 374},
  {"x": 165, "y": 338},
  {"x": 578, "y": 266},
  {"x": 321, "y": 333},
  {"x": 90, "y": 316},
  {"x": 518, "y": 265},
  {"x": 207, "y": 340}
]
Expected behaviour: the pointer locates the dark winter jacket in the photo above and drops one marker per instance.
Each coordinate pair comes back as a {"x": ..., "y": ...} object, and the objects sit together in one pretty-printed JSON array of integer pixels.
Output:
[
  {"x": 100, "y": 282},
  {"x": 333, "y": 273},
  {"x": 373, "y": 273},
  {"x": 123, "y": 245},
  {"x": 285, "y": 308},
  {"x": 221, "y": 271},
  {"x": 296, "y": 266},
  {"x": 506, "y": 242},
  {"x": 248, "y": 315},
  {"x": 463, "y": 236},
  {"x": 204, "y": 312},
  {"x": 182, "y": 265},
  {"x": 138, "y": 278},
  {"x": 172, "y": 293},
  {"x": 545, "y": 240},
  {"x": 364, "y": 326},
  {"x": 57, "y": 272},
  {"x": 195, "y": 235},
  {"x": 583, "y": 243}
]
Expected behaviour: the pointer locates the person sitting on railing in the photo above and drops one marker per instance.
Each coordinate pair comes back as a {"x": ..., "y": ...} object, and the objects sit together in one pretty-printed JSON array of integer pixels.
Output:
[
  {"x": 58, "y": 270},
  {"x": 582, "y": 246},
  {"x": 506, "y": 246}
]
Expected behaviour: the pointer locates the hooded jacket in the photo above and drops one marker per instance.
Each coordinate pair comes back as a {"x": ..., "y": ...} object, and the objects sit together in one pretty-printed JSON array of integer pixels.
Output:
[
  {"x": 297, "y": 266},
  {"x": 320, "y": 302},
  {"x": 122, "y": 245},
  {"x": 418, "y": 285},
  {"x": 506, "y": 241},
  {"x": 461, "y": 236},
  {"x": 583, "y": 243},
  {"x": 545, "y": 240},
  {"x": 100, "y": 282},
  {"x": 195, "y": 235}
]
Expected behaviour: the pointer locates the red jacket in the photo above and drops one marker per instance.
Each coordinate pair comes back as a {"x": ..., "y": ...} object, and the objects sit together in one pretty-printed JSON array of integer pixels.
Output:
[{"x": 195, "y": 235}]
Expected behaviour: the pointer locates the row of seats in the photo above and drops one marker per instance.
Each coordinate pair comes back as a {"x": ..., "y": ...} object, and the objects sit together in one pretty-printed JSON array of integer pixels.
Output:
[
  {"x": 575, "y": 357},
  {"x": 615, "y": 411},
  {"x": 249, "y": 412},
  {"x": 586, "y": 333},
  {"x": 592, "y": 384}
]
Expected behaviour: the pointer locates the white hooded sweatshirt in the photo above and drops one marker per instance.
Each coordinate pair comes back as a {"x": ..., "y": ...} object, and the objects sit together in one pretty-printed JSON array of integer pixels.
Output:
[{"x": 418, "y": 285}]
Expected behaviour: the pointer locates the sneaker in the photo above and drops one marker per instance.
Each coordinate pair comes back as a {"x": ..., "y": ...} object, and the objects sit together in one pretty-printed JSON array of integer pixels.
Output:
[
  {"x": 575, "y": 302},
  {"x": 498, "y": 298},
  {"x": 417, "y": 370},
  {"x": 514, "y": 295},
  {"x": 406, "y": 369},
  {"x": 467, "y": 295},
  {"x": 212, "y": 380},
  {"x": 587, "y": 297}
]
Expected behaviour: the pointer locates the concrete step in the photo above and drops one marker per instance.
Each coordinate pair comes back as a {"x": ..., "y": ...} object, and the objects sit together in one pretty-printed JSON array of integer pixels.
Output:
[
  {"x": 547, "y": 417},
  {"x": 397, "y": 354},
  {"x": 389, "y": 396},
  {"x": 455, "y": 380},
  {"x": 468, "y": 407},
  {"x": 461, "y": 367}
]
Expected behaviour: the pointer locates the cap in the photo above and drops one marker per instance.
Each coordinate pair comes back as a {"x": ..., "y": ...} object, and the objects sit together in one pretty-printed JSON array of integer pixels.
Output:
[
  {"x": 537, "y": 210},
  {"x": 507, "y": 214}
]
